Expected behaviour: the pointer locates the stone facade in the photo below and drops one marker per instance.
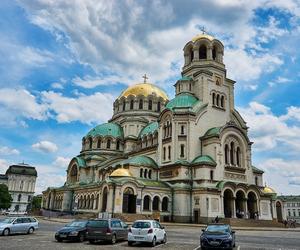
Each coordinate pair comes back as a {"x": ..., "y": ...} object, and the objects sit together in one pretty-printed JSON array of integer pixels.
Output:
[
  {"x": 187, "y": 159},
  {"x": 20, "y": 180},
  {"x": 291, "y": 204}
]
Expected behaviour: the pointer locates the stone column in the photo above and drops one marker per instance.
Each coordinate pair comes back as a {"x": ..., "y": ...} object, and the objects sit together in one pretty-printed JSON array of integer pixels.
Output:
[
  {"x": 234, "y": 208},
  {"x": 196, "y": 54},
  {"x": 209, "y": 53}
]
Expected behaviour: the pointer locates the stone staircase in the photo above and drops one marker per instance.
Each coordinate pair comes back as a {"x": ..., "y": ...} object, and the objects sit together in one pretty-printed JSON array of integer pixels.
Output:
[
  {"x": 251, "y": 222},
  {"x": 133, "y": 217}
]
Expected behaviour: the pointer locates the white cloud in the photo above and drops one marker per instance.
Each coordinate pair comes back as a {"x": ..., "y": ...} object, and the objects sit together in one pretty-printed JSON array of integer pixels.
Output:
[
  {"x": 91, "y": 82},
  {"x": 57, "y": 85},
  {"x": 8, "y": 151},
  {"x": 86, "y": 109},
  {"x": 4, "y": 164},
  {"x": 16, "y": 104},
  {"x": 279, "y": 80},
  {"x": 45, "y": 146},
  {"x": 61, "y": 162},
  {"x": 269, "y": 131}
]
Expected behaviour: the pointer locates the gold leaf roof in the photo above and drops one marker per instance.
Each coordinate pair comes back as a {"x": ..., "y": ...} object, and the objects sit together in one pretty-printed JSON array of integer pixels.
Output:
[
  {"x": 121, "y": 172},
  {"x": 269, "y": 190},
  {"x": 199, "y": 36},
  {"x": 144, "y": 89}
]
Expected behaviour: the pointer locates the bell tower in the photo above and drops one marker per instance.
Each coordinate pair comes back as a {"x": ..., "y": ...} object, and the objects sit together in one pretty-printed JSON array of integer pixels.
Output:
[{"x": 204, "y": 73}]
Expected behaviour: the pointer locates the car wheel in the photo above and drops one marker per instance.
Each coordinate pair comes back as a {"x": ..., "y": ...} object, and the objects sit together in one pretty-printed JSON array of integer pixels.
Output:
[
  {"x": 114, "y": 239},
  {"x": 81, "y": 238},
  {"x": 6, "y": 232},
  {"x": 153, "y": 243},
  {"x": 165, "y": 239},
  {"x": 30, "y": 230},
  {"x": 92, "y": 241},
  {"x": 59, "y": 240},
  {"x": 130, "y": 243}
]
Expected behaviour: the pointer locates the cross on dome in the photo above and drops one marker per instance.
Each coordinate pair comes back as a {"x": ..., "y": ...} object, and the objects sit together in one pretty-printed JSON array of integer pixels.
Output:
[
  {"x": 145, "y": 78},
  {"x": 203, "y": 30}
]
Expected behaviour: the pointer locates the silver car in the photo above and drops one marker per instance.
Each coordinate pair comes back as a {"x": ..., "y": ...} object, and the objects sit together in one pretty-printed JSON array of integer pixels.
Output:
[{"x": 15, "y": 225}]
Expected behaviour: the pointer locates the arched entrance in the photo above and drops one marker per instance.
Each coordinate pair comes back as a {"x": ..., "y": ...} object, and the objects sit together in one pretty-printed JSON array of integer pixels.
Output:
[
  {"x": 252, "y": 205},
  {"x": 104, "y": 200},
  {"x": 240, "y": 204},
  {"x": 129, "y": 201},
  {"x": 279, "y": 211},
  {"x": 228, "y": 203}
]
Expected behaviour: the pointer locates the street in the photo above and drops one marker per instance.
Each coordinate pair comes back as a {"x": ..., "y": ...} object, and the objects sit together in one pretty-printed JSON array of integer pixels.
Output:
[{"x": 186, "y": 237}]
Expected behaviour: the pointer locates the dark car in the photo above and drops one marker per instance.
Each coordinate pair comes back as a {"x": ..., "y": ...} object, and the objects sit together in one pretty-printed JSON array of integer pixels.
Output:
[
  {"x": 217, "y": 236},
  {"x": 74, "y": 231},
  {"x": 110, "y": 230}
]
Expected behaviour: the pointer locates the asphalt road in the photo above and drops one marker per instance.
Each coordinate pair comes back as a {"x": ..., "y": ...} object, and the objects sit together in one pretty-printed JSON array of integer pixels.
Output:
[{"x": 178, "y": 238}]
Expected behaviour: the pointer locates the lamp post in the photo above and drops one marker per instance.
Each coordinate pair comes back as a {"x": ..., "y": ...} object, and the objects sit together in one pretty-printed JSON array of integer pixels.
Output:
[{"x": 207, "y": 207}]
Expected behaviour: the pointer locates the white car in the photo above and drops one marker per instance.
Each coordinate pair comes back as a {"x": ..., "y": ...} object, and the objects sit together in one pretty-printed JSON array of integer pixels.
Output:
[{"x": 146, "y": 231}]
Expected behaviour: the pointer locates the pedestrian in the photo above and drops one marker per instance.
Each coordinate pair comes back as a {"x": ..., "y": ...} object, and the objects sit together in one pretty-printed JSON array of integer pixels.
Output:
[
  {"x": 285, "y": 223},
  {"x": 217, "y": 219}
]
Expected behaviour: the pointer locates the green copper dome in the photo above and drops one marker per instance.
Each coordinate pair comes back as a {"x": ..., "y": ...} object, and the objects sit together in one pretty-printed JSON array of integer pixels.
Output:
[
  {"x": 183, "y": 100},
  {"x": 140, "y": 160},
  {"x": 204, "y": 159},
  {"x": 107, "y": 129},
  {"x": 149, "y": 129}
]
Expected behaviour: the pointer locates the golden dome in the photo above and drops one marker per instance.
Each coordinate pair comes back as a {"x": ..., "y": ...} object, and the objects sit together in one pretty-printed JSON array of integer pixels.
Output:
[
  {"x": 199, "y": 36},
  {"x": 144, "y": 89},
  {"x": 268, "y": 190},
  {"x": 121, "y": 172}
]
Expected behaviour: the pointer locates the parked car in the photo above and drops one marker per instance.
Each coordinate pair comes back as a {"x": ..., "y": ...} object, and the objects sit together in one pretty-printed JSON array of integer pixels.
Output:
[
  {"x": 15, "y": 213},
  {"x": 74, "y": 231},
  {"x": 147, "y": 231},
  {"x": 14, "y": 225},
  {"x": 217, "y": 236},
  {"x": 106, "y": 230}
]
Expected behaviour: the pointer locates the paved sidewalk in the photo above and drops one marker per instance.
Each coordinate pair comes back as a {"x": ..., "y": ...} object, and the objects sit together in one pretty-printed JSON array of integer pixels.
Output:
[{"x": 64, "y": 220}]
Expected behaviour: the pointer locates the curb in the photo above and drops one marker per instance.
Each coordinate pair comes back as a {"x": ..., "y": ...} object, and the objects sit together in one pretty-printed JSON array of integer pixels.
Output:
[{"x": 200, "y": 226}]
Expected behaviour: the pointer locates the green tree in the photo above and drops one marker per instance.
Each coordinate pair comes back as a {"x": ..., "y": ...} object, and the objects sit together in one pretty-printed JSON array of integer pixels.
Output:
[
  {"x": 36, "y": 202},
  {"x": 5, "y": 197}
]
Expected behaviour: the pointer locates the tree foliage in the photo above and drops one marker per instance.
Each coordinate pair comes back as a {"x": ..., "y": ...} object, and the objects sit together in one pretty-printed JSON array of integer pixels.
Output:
[
  {"x": 5, "y": 197},
  {"x": 36, "y": 202}
]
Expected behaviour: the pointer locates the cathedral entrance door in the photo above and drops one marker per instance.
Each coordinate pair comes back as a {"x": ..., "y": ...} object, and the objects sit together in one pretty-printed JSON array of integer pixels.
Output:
[
  {"x": 228, "y": 203},
  {"x": 252, "y": 206},
  {"x": 129, "y": 201},
  {"x": 279, "y": 211},
  {"x": 240, "y": 205}
]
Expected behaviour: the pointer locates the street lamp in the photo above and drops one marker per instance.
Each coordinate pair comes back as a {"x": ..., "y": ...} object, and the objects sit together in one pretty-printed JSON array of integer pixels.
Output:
[{"x": 207, "y": 206}]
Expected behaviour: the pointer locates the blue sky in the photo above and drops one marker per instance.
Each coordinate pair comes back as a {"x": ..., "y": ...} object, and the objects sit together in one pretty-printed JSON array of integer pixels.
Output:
[{"x": 62, "y": 64}]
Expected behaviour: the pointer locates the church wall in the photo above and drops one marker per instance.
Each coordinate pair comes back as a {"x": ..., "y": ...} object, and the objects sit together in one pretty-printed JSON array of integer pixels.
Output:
[
  {"x": 182, "y": 206},
  {"x": 265, "y": 209}
]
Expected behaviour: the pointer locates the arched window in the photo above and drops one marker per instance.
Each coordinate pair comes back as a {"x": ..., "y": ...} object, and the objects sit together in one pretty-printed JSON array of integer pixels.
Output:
[
  {"x": 90, "y": 143},
  {"x": 211, "y": 175},
  {"x": 164, "y": 157},
  {"x": 19, "y": 197},
  {"x": 158, "y": 106},
  {"x": 182, "y": 150},
  {"x": 104, "y": 200},
  {"x": 145, "y": 173},
  {"x": 222, "y": 101},
  {"x": 238, "y": 155},
  {"x": 150, "y": 105},
  {"x": 99, "y": 143},
  {"x": 73, "y": 174},
  {"x": 178, "y": 87},
  {"x": 214, "y": 53},
  {"x": 140, "y": 104},
  {"x": 232, "y": 153},
  {"x": 141, "y": 173},
  {"x": 202, "y": 52},
  {"x": 256, "y": 180},
  {"x": 182, "y": 129},
  {"x": 226, "y": 154},
  {"x": 149, "y": 174},
  {"x": 155, "y": 203},
  {"x": 218, "y": 100},
  {"x": 146, "y": 203},
  {"x": 169, "y": 152},
  {"x": 131, "y": 104},
  {"x": 191, "y": 55},
  {"x": 21, "y": 185},
  {"x": 118, "y": 145},
  {"x": 190, "y": 87},
  {"x": 108, "y": 143},
  {"x": 124, "y": 105},
  {"x": 214, "y": 99},
  {"x": 164, "y": 204}
]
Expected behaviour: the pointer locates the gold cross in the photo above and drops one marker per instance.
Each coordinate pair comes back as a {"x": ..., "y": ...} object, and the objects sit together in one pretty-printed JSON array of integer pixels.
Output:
[
  {"x": 145, "y": 78},
  {"x": 203, "y": 30}
]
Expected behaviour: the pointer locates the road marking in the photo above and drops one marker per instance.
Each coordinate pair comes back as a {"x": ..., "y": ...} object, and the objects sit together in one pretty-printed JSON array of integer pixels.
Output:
[
  {"x": 238, "y": 247},
  {"x": 198, "y": 247}
]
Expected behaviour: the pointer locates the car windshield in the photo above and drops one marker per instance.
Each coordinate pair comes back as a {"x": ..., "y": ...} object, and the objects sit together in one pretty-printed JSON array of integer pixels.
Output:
[
  {"x": 141, "y": 224},
  {"x": 76, "y": 224},
  {"x": 217, "y": 229},
  {"x": 7, "y": 220},
  {"x": 98, "y": 223}
]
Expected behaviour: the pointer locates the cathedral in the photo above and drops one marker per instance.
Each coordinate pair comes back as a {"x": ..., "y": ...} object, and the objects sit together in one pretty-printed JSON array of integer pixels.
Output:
[{"x": 186, "y": 159}]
